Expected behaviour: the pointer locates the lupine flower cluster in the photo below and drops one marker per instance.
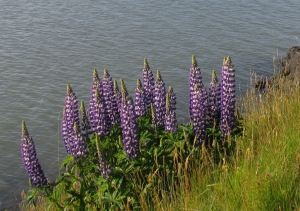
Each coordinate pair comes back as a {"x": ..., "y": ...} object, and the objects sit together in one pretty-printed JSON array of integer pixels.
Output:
[
  {"x": 194, "y": 78},
  {"x": 170, "y": 119},
  {"x": 148, "y": 83},
  {"x": 129, "y": 125},
  {"x": 108, "y": 107},
  {"x": 199, "y": 102},
  {"x": 79, "y": 145},
  {"x": 117, "y": 96},
  {"x": 172, "y": 97},
  {"x": 71, "y": 134},
  {"x": 105, "y": 168},
  {"x": 99, "y": 115},
  {"x": 139, "y": 100},
  {"x": 216, "y": 107},
  {"x": 96, "y": 85},
  {"x": 159, "y": 99},
  {"x": 31, "y": 163},
  {"x": 85, "y": 123},
  {"x": 227, "y": 97},
  {"x": 214, "y": 97},
  {"x": 109, "y": 99}
]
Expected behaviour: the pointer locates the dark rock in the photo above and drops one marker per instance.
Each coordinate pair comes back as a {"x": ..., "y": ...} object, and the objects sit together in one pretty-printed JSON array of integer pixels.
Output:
[{"x": 289, "y": 73}]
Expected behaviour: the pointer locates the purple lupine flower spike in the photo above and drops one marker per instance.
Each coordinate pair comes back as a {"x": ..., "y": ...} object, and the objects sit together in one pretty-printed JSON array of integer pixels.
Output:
[
  {"x": 100, "y": 117},
  {"x": 214, "y": 98},
  {"x": 31, "y": 163},
  {"x": 105, "y": 168},
  {"x": 124, "y": 92},
  {"x": 108, "y": 93},
  {"x": 227, "y": 122},
  {"x": 159, "y": 99},
  {"x": 129, "y": 125},
  {"x": 85, "y": 123},
  {"x": 70, "y": 117},
  {"x": 172, "y": 97},
  {"x": 65, "y": 132},
  {"x": 139, "y": 100},
  {"x": 80, "y": 147},
  {"x": 148, "y": 83},
  {"x": 170, "y": 121},
  {"x": 194, "y": 78},
  {"x": 117, "y": 95},
  {"x": 116, "y": 103},
  {"x": 198, "y": 110},
  {"x": 96, "y": 84}
]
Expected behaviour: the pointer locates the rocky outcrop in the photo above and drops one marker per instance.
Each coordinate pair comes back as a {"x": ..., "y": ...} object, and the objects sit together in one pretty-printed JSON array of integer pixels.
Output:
[{"x": 289, "y": 74}]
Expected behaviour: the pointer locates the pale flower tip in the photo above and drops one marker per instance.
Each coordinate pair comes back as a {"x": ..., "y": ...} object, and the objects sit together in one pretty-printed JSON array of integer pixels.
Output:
[
  {"x": 82, "y": 107},
  {"x": 214, "y": 75},
  {"x": 116, "y": 84},
  {"x": 158, "y": 75},
  {"x": 228, "y": 60},
  {"x": 193, "y": 59},
  {"x": 95, "y": 72},
  {"x": 24, "y": 126},
  {"x": 145, "y": 62},
  {"x": 123, "y": 87},
  {"x": 69, "y": 89},
  {"x": 105, "y": 71}
]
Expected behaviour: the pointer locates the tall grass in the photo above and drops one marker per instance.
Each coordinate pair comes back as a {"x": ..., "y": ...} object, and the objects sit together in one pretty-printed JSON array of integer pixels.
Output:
[{"x": 263, "y": 170}]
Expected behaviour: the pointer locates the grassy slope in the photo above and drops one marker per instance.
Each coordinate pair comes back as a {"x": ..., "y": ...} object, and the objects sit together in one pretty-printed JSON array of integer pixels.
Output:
[{"x": 264, "y": 171}]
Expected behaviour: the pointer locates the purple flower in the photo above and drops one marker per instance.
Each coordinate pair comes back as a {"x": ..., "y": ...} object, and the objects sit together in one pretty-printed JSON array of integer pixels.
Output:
[
  {"x": 227, "y": 122},
  {"x": 124, "y": 92},
  {"x": 139, "y": 100},
  {"x": 148, "y": 82},
  {"x": 117, "y": 96},
  {"x": 199, "y": 102},
  {"x": 105, "y": 168},
  {"x": 96, "y": 84},
  {"x": 85, "y": 123},
  {"x": 170, "y": 120},
  {"x": 159, "y": 99},
  {"x": 70, "y": 134},
  {"x": 194, "y": 78},
  {"x": 214, "y": 97},
  {"x": 66, "y": 132},
  {"x": 30, "y": 160},
  {"x": 100, "y": 118},
  {"x": 79, "y": 148},
  {"x": 172, "y": 97},
  {"x": 129, "y": 125},
  {"x": 109, "y": 100}
]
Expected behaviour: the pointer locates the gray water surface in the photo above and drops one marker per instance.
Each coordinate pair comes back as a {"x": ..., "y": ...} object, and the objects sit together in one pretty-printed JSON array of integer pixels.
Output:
[{"x": 45, "y": 45}]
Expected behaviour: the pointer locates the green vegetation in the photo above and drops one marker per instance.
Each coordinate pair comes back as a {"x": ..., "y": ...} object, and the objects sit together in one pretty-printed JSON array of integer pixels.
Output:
[{"x": 257, "y": 167}]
